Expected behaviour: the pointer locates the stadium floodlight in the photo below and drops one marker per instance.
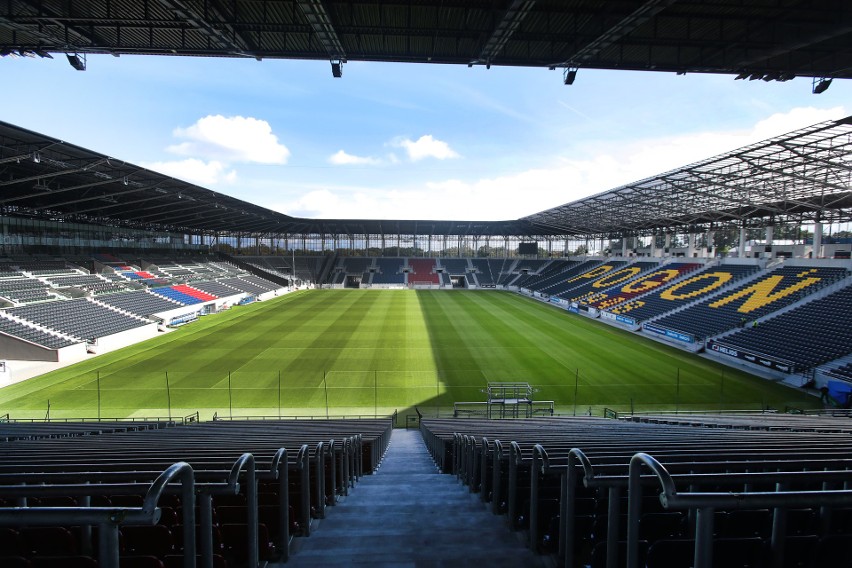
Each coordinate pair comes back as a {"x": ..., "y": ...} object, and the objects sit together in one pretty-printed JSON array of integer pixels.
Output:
[
  {"x": 820, "y": 85},
  {"x": 570, "y": 75},
  {"x": 337, "y": 68},
  {"x": 743, "y": 75},
  {"x": 77, "y": 61}
]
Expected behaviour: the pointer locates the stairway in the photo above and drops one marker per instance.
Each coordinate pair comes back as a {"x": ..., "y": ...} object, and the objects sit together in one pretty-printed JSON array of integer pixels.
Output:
[{"x": 409, "y": 515}]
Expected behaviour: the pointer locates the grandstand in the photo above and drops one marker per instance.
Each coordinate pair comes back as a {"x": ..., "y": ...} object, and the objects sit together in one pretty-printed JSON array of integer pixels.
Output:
[{"x": 84, "y": 272}]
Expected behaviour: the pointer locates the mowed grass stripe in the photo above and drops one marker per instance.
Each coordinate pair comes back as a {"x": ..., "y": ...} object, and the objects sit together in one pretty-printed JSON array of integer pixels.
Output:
[{"x": 387, "y": 350}]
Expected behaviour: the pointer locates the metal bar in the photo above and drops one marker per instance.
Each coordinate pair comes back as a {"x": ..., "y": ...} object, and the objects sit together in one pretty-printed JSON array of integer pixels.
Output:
[{"x": 704, "y": 538}]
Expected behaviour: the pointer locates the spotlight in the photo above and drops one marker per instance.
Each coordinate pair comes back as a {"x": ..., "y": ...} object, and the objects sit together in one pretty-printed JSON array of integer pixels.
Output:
[
  {"x": 337, "y": 68},
  {"x": 78, "y": 62},
  {"x": 570, "y": 75},
  {"x": 743, "y": 75},
  {"x": 42, "y": 53},
  {"x": 755, "y": 76},
  {"x": 820, "y": 85},
  {"x": 36, "y": 157}
]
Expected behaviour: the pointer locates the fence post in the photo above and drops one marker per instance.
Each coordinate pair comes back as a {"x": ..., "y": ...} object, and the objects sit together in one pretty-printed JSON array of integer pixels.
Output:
[
  {"x": 576, "y": 383},
  {"x": 168, "y": 395}
]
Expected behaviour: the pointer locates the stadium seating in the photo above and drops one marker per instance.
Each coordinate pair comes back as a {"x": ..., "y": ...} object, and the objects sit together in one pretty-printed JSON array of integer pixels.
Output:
[
  {"x": 455, "y": 266},
  {"x": 423, "y": 271},
  {"x": 33, "y": 334},
  {"x": 141, "y": 302},
  {"x": 551, "y": 274},
  {"x": 483, "y": 271},
  {"x": 609, "y": 280},
  {"x": 824, "y": 333},
  {"x": 194, "y": 292},
  {"x": 218, "y": 289},
  {"x": 686, "y": 291},
  {"x": 842, "y": 372},
  {"x": 172, "y": 293},
  {"x": 559, "y": 281},
  {"x": 577, "y": 283},
  {"x": 255, "y": 484},
  {"x": 78, "y": 318},
  {"x": 389, "y": 271},
  {"x": 249, "y": 284},
  {"x": 566, "y": 483},
  {"x": 639, "y": 286},
  {"x": 750, "y": 301}
]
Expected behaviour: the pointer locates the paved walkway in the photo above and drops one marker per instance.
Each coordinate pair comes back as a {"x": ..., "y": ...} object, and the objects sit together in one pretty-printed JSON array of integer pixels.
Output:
[{"x": 410, "y": 515}]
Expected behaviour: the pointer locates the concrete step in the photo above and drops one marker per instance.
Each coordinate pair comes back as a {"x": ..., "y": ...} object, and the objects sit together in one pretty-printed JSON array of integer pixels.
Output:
[{"x": 409, "y": 515}]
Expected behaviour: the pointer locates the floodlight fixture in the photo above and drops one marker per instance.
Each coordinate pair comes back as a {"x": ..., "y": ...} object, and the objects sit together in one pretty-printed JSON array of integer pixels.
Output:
[
  {"x": 77, "y": 61},
  {"x": 742, "y": 75},
  {"x": 36, "y": 157},
  {"x": 337, "y": 68},
  {"x": 821, "y": 85},
  {"x": 570, "y": 75},
  {"x": 43, "y": 54}
]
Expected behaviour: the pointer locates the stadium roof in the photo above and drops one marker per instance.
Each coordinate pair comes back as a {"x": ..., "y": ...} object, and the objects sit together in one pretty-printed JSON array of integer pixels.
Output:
[
  {"x": 769, "y": 40},
  {"x": 799, "y": 177},
  {"x": 43, "y": 177},
  {"x": 803, "y": 176}
]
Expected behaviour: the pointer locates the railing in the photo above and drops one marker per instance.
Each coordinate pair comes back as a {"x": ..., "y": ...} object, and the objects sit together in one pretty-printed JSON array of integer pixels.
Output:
[
  {"x": 108, "y": 519},
  {"x": 705, "y": 504}
]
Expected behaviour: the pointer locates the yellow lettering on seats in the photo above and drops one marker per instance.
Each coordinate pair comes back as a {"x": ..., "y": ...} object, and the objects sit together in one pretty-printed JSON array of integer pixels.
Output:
[
  {"x": 762, "y": 293},
  {"x": 617, "y": 277},
  {"x": 718, "y": 280},
  {"x": 593, "y": 273},
  {"x": 650, "y": 282},
  {"x": 627, "y": 307}
]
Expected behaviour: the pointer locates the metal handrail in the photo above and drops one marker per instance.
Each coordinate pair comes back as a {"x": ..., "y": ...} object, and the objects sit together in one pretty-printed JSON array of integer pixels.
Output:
[
  {"x": 108, "y": 519},
  {"x": 705, "y": 503}
]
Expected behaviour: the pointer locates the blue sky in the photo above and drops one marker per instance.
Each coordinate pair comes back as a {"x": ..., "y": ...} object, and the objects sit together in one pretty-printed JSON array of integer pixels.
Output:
[{"x": 400, "y": 141}]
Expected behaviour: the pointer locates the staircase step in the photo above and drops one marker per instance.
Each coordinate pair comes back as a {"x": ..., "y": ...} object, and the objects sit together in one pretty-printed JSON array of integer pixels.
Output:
[{"x": 409, "y": 515}]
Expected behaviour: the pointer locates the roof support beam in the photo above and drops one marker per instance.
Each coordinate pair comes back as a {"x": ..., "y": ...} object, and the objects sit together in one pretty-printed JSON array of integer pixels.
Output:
[
  {"x": 237, "y": 45},
  {"x": 613, "y": 35},
  {"x": 317, "y": 16},
  {"x": 505, "y": 28}
]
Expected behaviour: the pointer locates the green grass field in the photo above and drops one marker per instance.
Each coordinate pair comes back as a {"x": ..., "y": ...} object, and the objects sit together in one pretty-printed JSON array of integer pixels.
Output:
[{"x": 346, "y": 352}]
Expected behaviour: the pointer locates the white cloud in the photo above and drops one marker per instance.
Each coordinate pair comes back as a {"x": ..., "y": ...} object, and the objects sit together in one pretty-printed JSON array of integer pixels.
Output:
[
  {"x": 425, "y": 147},
  {"x": 195, "y": 171},
  {"x": 601, "y": 167},
  {"x": 341, "y": 158},
  {"x": 231, "y": 139}
]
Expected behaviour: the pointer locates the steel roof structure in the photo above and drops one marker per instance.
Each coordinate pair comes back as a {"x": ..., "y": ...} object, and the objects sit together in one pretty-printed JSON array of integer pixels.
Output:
[
  {"x": 767, "y": 39},
  {"x": 46, "y": 178},
  {"x": 800, "y": 177}
]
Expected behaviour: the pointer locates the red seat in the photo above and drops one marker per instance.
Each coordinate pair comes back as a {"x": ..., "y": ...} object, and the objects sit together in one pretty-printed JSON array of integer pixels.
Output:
[
  {"x": 63, "y": 562},
  {"x": 147, "y": 540},
  {"x": 145, "y": 561},
  {"x": 48, "y": 541},
  {"x": 234, "y": 541}
]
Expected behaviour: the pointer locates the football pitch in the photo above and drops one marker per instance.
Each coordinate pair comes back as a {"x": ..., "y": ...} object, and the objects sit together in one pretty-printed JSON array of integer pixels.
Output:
[{"x": 373, "y": 352}]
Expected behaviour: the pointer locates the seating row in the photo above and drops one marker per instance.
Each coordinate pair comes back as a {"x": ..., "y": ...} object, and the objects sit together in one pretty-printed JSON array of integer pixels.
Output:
[
  {"x": 605, "y": 492},
  {"x": 128, "y": 492}
]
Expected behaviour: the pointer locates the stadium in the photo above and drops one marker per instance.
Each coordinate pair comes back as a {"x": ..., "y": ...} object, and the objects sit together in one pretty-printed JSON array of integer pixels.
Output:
[{"x": 658, "y": 374}]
